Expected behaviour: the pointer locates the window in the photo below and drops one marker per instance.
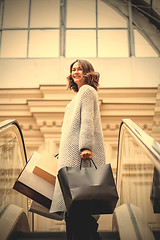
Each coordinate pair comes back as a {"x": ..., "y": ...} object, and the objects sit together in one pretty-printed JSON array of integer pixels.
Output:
[
  {"x": 16, "y": 14},
  {"x": 45, "y": 13},
  {"x": 142, "y": 47},
  {"x": 44, "y": 43},
  {"x": 30, "y": 28},
  {"x": 109, "y": 18},
  {"x": 81, "y": 43},
  {"x": 98, "y": 32},
  {"x": 13, "y": 44},
  {"x": 113, "y": 43},
  {"x": 72, "y": 28},
  {"x": 81, "y": 14}
]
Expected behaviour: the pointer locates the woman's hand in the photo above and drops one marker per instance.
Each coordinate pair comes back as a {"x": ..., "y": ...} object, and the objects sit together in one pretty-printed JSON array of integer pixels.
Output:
[{"x": 86, "y": 154}]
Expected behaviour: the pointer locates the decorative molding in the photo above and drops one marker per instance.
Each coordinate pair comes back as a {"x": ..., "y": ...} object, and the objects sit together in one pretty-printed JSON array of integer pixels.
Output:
[{"x": 40, "y": 111}]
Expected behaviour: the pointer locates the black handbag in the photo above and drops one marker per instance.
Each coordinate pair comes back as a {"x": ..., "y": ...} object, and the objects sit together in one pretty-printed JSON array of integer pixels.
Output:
[{"x": 90, "y": 190}]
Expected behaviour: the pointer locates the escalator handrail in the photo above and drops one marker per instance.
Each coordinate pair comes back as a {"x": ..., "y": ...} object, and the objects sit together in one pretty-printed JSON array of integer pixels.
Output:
[
  {"x": 14, "y": 122},
  {"x": 148, "y": 142}
]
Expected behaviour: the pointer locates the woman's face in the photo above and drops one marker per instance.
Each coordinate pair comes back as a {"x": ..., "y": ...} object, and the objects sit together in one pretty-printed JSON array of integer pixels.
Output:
[{"x": 77, "y": 74}]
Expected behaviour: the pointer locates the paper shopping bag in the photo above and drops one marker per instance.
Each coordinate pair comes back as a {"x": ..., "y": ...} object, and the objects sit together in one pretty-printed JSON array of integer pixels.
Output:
[
  {"x": 91, "y": 190},
  {"x": 33, "y": 186},
  {"x": 43, "y": 211}
]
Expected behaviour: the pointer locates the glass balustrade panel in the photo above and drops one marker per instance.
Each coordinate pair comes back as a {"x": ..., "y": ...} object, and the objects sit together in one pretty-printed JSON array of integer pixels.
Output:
[
  {"x": 12, "y": 161},
  {"x": 138, "y": 179}
]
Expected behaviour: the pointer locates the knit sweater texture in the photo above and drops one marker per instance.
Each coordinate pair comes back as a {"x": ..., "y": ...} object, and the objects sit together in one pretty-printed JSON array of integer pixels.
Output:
[{"x": 81, "y": 129}]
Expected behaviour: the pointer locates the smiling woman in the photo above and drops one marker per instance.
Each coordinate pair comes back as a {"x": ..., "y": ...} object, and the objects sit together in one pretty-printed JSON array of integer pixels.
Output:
[
  {"x": 82, "y": 72},
  {"x": 81, "y": 139}
]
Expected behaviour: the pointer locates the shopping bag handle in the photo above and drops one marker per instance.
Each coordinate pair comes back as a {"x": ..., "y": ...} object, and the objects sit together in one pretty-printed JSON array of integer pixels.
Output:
[
  {"x": 56, "y": 155},
  {"x": 91, "y": 160}
]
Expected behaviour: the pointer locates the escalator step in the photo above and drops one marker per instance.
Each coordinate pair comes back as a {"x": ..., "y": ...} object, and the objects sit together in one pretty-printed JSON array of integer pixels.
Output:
[
  {"x": 109, "y": 235},
  {"x": 56, "y": 236},
  {"x": 39, "y": 236}
]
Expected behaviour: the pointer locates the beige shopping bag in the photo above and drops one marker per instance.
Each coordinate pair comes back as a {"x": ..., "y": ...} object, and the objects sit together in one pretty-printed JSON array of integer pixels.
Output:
[
  {"x": 33, "y": 186},
  {"x": 46, "y": 167}
]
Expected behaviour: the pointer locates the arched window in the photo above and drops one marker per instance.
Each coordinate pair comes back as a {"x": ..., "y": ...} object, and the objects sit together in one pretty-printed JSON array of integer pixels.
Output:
[{"x": 69, "y": 28}]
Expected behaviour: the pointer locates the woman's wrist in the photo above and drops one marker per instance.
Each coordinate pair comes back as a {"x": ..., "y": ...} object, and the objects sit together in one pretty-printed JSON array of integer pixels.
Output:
[{"x": 86, "y": 154}]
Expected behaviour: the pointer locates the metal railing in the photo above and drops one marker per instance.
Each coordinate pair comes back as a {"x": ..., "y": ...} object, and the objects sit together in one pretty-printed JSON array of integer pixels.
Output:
[
  {"x": 12, "y": 160},
  {"x": 138, "y": 171}
]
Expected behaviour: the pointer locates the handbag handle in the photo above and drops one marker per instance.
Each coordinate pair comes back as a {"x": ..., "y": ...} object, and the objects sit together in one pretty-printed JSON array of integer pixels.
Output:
[{"x": 90, "y": 163}]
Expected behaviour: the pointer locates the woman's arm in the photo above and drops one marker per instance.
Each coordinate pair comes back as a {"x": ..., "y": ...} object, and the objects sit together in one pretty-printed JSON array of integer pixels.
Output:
[{"x": 87, "y": 123}]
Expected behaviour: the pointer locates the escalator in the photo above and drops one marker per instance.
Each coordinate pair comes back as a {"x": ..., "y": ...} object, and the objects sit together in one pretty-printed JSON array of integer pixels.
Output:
[
  {"x": 137, "y": 215},
  {"x": 138, "y": 183}
]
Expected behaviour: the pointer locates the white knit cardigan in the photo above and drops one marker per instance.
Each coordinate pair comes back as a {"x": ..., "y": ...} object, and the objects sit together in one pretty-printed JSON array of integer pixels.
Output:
[{"x": 81, "y": 129}]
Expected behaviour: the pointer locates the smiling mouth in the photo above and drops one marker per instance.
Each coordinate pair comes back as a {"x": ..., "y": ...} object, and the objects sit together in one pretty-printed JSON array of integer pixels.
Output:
[{"x": 76, "y": 77}]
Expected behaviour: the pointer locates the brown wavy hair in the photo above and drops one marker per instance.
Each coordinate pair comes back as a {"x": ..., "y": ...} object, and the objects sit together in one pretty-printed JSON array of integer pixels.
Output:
[{"x": 90, "y": 76}]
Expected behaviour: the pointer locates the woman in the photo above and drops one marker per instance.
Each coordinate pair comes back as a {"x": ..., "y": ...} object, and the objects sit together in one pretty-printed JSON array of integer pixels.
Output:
[{"x": 81, "y": 139}]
